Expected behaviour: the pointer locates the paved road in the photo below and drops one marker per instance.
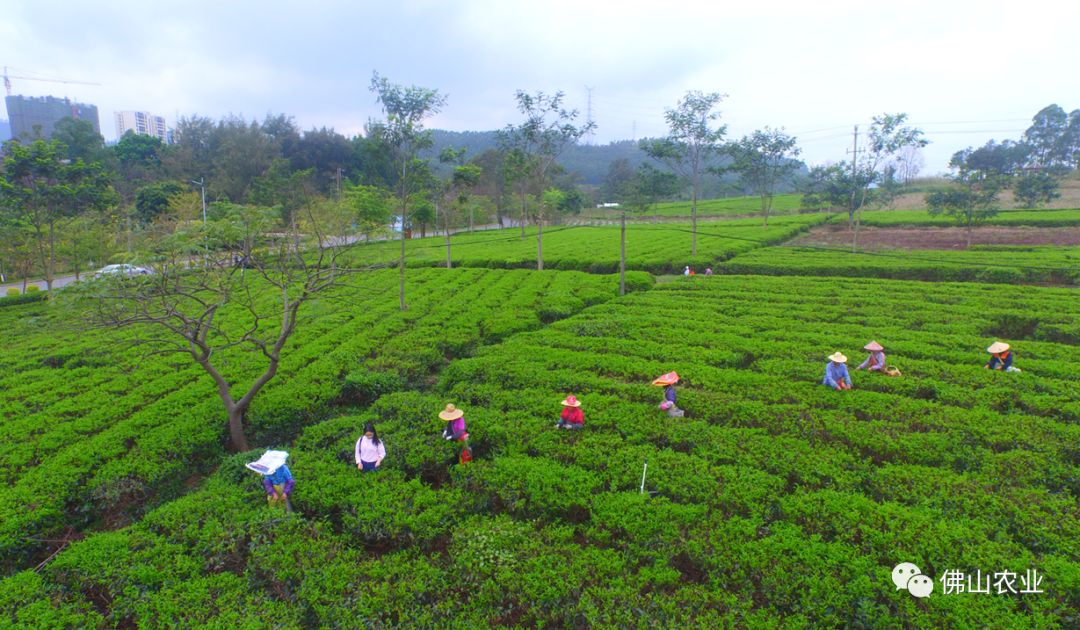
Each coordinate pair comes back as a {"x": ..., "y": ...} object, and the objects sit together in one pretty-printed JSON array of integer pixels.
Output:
[{"x": 57, "y": 283}]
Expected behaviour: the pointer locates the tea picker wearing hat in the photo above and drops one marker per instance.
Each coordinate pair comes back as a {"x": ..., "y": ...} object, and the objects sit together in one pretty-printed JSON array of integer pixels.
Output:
[
  {"x": 455, "y": 423},
  {"x": 667, "y": 381},
  {"x": 836, "y": 372},
  {"x": 1002, "y": 357},
  {"x": 277, "y": 480},
  {"x": 572, "y": 416},
  {"x": 876, "y": 361}
]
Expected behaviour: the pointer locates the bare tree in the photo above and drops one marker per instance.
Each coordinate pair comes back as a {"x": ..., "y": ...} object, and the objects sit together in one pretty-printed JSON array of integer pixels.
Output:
[{"x": 230, "y": 290}]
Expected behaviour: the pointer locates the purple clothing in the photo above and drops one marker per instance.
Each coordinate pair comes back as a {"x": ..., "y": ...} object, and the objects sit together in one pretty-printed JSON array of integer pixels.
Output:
[
  {"x": 368, "y": 451},
  {"x": 454, "y": 429},
  {"x": 669, "y": 394},
  {"x": 280, "y": 477},
  {"x": 834, "y": 373},
  {"x": 876, "y": 361}
]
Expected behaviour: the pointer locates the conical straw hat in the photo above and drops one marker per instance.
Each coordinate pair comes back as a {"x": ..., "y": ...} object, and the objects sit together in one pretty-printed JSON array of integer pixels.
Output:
[
  {"x": 451, "y": 413},
  {"x": 668, "y": 379}
]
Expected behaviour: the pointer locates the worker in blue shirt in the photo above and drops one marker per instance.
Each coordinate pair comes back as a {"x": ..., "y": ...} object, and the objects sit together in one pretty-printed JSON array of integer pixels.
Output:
[
  {"x": 836, "y": 372},
  {"x": 277, "y": 479}
]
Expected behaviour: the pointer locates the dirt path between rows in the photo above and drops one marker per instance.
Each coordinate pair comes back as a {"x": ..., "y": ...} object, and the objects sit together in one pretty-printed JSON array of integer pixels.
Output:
[{"x": 874, "y": 238}]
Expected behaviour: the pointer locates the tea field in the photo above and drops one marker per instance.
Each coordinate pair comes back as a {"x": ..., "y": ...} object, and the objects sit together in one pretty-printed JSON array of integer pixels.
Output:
[
  {"x": 775, "y": 502},
  {"x": 94, "y": 431}
]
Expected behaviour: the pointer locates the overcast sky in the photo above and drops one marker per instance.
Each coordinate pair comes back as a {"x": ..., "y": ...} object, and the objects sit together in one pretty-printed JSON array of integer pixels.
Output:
[{"x": 964, "y": 71}]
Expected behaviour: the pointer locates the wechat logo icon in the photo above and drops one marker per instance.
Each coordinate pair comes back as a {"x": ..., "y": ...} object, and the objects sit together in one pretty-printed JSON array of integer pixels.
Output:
[{"x": 906, "y": 576}]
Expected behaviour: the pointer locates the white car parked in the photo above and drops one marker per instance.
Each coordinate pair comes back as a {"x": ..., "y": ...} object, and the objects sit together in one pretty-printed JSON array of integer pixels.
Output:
[{"x": 124, "y": 270}]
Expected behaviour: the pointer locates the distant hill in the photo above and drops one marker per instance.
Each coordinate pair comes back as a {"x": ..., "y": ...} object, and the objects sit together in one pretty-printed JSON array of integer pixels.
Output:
[{"x": 589, "y": 163}]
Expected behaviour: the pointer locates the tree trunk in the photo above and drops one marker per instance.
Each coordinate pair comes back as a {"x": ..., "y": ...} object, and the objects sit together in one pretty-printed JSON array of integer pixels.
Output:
[
  {"x": 401, "y": 266},
  {"x": 622, "y": 254},
  {"x": 401, "y": 261},
  {"x": 523, "y": 211},
  {"x": 50, "y": 268},
  {"x": 693, "y": 219},
  {"x": 970, "y": 229},
  {"x": 446, "y": 217},
  {"x": 855, "y": 234},
  {"x": 540, "y": 242},
  {"x": 236, "y": 428}
]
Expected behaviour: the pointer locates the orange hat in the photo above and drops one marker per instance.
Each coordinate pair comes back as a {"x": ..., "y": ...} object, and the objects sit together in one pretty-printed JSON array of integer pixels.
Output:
[
  {"x": 668, "y": 379},
  {"x": 571, "y": 401}
]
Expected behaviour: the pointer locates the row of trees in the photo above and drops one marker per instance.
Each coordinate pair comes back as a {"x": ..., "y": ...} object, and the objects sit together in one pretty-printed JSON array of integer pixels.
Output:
[{"x": 1031, "y": 167}]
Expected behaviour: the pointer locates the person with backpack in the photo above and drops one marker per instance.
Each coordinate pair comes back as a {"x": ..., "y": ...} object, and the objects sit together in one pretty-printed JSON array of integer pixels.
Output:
[{"x": 370, "y": 450}]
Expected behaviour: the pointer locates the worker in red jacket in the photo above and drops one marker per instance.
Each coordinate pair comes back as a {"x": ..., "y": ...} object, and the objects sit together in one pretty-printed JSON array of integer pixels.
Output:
[{"x": 572, "y": 417}]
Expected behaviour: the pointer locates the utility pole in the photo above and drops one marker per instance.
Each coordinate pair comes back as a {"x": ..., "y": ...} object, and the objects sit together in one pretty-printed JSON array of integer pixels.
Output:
[
  {"x": 854, "y": 189},
  {"x": 588, "y": 116}
]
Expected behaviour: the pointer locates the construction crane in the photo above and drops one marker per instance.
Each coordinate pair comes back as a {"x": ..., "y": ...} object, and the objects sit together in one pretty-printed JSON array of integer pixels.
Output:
[{"x": 8, "y": 78}]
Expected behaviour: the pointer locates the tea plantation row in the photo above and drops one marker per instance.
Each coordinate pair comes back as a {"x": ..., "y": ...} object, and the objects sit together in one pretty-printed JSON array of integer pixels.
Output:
[
  {"x": 656, "y": 248},
  {"x": 1003, "y": 264}
]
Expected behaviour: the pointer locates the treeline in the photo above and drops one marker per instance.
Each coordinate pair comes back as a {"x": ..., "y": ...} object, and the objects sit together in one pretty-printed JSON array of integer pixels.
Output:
[{"x": 1032, "y": 167}]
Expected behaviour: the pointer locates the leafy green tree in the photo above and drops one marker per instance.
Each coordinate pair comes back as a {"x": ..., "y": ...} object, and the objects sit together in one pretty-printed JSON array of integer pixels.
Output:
[
  {"x": 1071, "y": 141},
  {"x": 493, "y": 182},
  {"x": 1047, "y": 137},
  {"x": 763, "y": 160},
  {"x": 1031, "y": 189},
  {"x": 80, "y": 139},
  {"x": 153, "y": 200},
  {"x": 618, "y": 181},
  {"x": 970, "y": 201},
  {"x": 87, "y": 243},
  {"x": 16, "y": 249},
  {"x": 692, "y": 144},
  {"x": 243, "y": 152},
  {"x": 192, "y": 154},
  {"x": 403, "y": 132},
  {"x": 283, "y": 188},
  {"x": 827, "y": 187},
  {"x": 327, "y": 153},
  {"x": 42, "y": 189},
  {"x": 369, "y": 207},
  {"x": 548, "y": 129}
]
